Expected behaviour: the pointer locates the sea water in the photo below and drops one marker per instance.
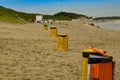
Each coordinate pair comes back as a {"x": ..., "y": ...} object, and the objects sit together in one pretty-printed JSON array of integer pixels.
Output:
[{"x": 115, "y": 25}]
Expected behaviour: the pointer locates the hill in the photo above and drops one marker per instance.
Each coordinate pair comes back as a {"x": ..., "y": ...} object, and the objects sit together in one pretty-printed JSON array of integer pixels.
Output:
[
  {"x": 108, "y": 18},
  {"x": 64, "y": 16},
  {"x": 12, "y": 16}
]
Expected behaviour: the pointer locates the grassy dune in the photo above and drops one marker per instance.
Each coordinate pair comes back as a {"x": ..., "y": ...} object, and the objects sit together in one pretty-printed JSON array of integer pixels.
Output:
[
  {"x": 12, "y": 16},
  {"x": 28, "y": 52}
]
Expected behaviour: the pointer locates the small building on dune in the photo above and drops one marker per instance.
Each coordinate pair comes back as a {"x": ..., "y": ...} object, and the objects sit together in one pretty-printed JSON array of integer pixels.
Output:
[
  {"x": 82, "y": 18},
  {"x": 39, "y": 18}
]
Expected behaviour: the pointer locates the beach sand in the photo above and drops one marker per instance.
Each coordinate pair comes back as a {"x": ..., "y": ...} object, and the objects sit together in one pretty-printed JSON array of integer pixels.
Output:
[{"x": 27, "y": 52}]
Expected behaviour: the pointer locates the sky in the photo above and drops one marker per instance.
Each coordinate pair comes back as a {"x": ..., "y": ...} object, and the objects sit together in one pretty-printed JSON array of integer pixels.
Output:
[{"x": 94, "y": 8}]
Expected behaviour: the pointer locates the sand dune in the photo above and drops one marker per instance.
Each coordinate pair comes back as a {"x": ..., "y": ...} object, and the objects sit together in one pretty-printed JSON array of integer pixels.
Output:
[{"x": 28, "y": 53}]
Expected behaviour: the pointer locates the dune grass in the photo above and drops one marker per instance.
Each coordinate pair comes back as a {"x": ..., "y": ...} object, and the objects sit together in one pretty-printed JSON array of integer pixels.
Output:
[{"x": 11, "y": 16}]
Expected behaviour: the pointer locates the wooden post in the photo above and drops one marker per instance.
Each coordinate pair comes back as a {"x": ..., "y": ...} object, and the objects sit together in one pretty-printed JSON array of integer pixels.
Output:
[
  {"x": 84, "y": 68},
  {"x": 53, "y": 32},
  {"x": 63, "y": 42},
  {"x": 45, "y": 27}
]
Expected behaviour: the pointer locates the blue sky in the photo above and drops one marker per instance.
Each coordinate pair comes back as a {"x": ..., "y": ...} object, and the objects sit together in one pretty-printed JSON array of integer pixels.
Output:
[{"x": 88, "y": 7}]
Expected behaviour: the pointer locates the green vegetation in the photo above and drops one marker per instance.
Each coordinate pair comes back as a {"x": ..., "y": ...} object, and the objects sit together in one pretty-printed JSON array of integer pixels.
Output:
[
  {"x": 64, "y": 16},
  {"x": 11, "y": 16},
  {"x": 108, "y": 18}
]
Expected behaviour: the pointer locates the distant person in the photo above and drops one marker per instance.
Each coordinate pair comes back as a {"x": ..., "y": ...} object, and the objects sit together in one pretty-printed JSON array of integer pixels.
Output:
[
  {"x": 98, "y": 26},
  {"x": 66, "y": 24},
  {"x": 91, "y": 24}
]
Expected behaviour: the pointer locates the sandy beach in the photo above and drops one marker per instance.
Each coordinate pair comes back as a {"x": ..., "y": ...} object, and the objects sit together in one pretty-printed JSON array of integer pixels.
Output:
[{"x": 27, "y": 52}]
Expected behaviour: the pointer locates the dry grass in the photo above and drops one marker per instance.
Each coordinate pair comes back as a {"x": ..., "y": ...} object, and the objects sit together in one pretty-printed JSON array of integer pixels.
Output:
[{"x": 28, "y": 53}]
